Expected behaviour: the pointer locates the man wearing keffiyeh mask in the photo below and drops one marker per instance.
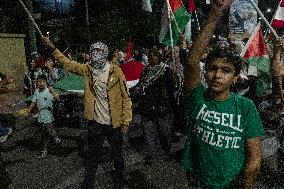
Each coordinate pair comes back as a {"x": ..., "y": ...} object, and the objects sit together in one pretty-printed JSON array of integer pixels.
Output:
[
  {"x": 107, "y": 106},
  {"x": 98, "y": 55}
]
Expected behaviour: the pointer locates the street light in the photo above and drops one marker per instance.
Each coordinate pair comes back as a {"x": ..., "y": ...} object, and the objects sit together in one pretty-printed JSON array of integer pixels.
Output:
[{"x": 268, "y": 10}]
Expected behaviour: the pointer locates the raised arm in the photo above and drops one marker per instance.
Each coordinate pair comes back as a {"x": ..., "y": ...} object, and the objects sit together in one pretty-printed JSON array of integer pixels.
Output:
[
  {"x": 67, "y": 64},
  {"x": 277, "y": 67},
  {"x": 192, "y": 69},
  {"x": 31, "y": 107}
]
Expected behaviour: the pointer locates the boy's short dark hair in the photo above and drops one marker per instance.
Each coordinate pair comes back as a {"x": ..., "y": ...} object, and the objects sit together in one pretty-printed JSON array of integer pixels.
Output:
[
  {"x": 231, "y": 55},
  {"x": 41, "y": 77}
]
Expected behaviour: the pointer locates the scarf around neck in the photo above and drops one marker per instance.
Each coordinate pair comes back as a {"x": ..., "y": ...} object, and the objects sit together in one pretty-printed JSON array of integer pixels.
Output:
[{"x": 152, "y": 73}]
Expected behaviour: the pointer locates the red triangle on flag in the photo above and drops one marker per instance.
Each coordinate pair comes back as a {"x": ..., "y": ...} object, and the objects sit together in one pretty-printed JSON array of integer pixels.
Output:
[
  {"x": 256, "y": 46},
  {"x": 255, "y": 52}
]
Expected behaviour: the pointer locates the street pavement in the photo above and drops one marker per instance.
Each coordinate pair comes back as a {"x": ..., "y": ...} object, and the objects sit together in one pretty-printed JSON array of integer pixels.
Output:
[{"x": 63, "y": 167}]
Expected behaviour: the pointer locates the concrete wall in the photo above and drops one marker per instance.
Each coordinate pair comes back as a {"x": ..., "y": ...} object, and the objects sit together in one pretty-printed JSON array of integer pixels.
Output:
[{"x": 13, "y": 58}]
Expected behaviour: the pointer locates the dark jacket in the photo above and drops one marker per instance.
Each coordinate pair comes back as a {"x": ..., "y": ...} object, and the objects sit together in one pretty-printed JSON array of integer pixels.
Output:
[{"x": 158, "y": 99}]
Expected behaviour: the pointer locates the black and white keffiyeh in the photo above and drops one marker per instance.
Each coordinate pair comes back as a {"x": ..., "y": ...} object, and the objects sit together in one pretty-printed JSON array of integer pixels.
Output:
[{"x": 98, "y": 55}]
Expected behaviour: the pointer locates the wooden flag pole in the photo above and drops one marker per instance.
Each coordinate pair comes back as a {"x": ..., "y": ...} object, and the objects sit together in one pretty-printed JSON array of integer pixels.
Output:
[
  {"x": 169, "y": 10},
  {"x": 198, "y": 25},
  {"x": 30, "y": 17}
]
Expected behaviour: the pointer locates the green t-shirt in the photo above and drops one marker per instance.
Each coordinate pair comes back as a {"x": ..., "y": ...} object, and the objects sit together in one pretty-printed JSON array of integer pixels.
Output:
[{"x": 215, "y": 147}]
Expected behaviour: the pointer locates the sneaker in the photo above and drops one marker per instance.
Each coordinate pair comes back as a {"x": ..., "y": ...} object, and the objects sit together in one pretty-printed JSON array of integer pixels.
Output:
[
  {"x": 43, "y": 154},
  {"x": 57, "y": 140},
  {"x": 148, "y": 161},
  {"x": 4, "y": 137}
]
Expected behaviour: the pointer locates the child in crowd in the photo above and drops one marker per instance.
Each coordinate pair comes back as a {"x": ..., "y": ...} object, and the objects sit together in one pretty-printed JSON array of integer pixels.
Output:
[
  {"x": 43, "y": 98},
  {"x": 222, "y": 149},
  {"x": 52, "y": 72}
]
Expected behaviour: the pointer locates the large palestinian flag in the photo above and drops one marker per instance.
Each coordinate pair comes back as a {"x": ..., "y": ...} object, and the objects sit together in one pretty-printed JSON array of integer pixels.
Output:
[{"x": 179, "y": 17}]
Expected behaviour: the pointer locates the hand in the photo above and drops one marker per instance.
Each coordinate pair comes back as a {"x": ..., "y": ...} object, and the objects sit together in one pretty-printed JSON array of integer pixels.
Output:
[
  {"x": 124, "y": 128},
  {"x": 46, "y": 41},
  {"x": 279, "y": 43},
  {"x": 29, "y": 112},
  {"x": 181, "y": 36},
  {"x": 182, "y": 41},
  {"x": 50, "y": 88},
  {"x": 277, "y": 71}
]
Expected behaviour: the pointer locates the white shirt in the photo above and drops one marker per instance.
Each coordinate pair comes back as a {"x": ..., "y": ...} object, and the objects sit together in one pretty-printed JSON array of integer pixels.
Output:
[{"x": 102, "y": 113}]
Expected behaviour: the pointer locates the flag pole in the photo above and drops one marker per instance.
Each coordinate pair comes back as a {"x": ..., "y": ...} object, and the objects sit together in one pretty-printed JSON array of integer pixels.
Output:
[
  {"x": 170, "y": 26},
  {"x": 198, "y": 25},
  {"x": 31, "y": 18},
  {"x": 264, "y": 19},
  {"x": 171, "y": 12}
]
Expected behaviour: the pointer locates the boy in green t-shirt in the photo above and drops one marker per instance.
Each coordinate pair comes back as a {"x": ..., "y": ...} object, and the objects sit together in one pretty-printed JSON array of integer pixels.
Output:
[{"x": 224, "y": 128}]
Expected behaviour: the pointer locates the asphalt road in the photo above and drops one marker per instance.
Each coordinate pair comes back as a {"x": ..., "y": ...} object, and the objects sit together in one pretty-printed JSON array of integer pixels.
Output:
[{"x": 63, "y": 167}]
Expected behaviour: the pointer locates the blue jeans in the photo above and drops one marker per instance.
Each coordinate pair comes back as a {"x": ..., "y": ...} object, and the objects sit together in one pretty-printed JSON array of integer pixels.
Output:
[{"x": 157, "y": 135}]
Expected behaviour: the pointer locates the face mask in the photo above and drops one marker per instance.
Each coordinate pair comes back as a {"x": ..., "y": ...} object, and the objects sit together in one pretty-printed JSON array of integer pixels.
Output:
[{"x": 98, "y": 55}]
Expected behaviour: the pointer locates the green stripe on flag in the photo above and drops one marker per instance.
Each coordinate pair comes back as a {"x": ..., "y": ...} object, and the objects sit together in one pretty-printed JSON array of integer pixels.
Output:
[
  {"x": 182, "y": 17},
  {"x": 70, "y": 82},
  {"x": 262, "y": 63}
]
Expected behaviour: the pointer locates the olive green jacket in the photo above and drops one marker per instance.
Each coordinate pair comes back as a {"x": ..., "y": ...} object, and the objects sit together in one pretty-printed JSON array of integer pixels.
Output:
[{"x": 118, "y": 94}]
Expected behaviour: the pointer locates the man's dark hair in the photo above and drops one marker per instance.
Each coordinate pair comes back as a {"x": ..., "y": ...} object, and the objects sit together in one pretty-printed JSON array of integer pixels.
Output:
[
  {"x": 41, "y": 77},
  {"x": 231, "y": 55}
]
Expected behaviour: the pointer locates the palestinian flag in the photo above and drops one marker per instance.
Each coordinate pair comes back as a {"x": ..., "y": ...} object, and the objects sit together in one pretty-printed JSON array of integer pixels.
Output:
[
  {"x": 147, "y": 5},
  {"x": 255, "y": 52},
  {"x": 132, "y": 71},
  {"x": 191, "y": 9},
  {"x": 278, "y": 20},
  {"x": 179, "y": 17}
]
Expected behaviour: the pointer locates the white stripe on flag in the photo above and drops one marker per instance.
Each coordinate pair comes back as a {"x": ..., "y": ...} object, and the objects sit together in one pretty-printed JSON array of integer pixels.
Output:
[
  {"x": 164, "y": 23},
  {"x": 132, "y": 83},
  {"x": 279, "y": 15},
  {"x": 187, "y": 31}
]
